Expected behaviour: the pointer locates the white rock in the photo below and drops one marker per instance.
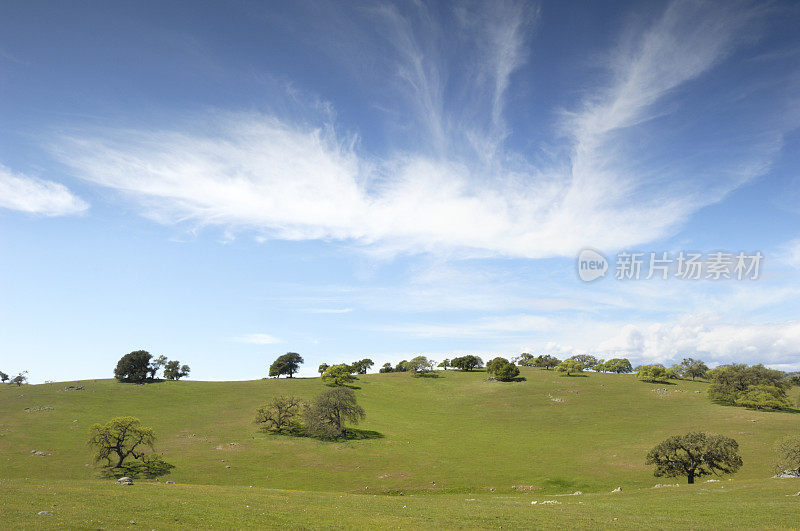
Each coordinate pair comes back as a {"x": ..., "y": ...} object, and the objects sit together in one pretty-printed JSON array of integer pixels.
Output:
[{"x": 618, "y": 489}]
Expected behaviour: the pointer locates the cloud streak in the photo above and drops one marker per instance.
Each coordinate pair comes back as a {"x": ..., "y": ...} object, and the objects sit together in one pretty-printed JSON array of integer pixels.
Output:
[
  {"x": 466, "y": 194},
  {"x": 37, "y": 196}
]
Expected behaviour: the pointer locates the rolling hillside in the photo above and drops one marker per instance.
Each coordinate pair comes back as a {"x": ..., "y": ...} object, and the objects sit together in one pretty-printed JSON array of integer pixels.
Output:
[{"x": 451, "y": 439}]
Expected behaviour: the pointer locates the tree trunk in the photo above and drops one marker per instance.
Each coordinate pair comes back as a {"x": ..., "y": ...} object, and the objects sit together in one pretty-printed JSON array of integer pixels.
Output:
[{"x": 691, "y": 477}]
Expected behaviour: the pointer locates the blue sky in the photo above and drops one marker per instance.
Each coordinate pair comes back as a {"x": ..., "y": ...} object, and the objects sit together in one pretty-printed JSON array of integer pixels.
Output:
[{"x": 223, "y": 183}]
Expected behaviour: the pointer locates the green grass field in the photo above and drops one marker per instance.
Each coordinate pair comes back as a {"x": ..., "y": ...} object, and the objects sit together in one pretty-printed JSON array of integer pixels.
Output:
[{"x": 453, "y": 446}]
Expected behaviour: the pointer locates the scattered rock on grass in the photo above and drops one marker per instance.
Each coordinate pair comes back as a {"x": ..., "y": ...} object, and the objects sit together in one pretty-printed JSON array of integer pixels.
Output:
[
  {"x": 44, "y": 513},
  {"x": 618, "y": 489},
  {"x": 125, "y": 481}
]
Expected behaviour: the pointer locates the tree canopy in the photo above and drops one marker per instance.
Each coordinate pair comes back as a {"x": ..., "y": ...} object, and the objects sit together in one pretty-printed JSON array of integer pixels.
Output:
[
  {"x": 173, "y": 370},
  {"x": 287, "y": 364},
  {"x": 738, "y": 384},
  {"x": 693, "y": 368},
  {"x": 788, "y": 450},
  {"x": 327, "y": 414},
  {"x": 618, "y": 365},
  {"x": 695, "y": 455},
  {"x": 546, "y": 362},
  {"x": 587, "y": 361},
  {"x": 506, "y": 372},
  {"x": 467, "y": 363},
  {"x": 652, "y": 373},
  {"x": 570, "y": 367},
  {"x": 763, "y": 396},
  {"x": 133, "y": 367},
  {"x": 336, "y": 375},
  {"x": 280, "y": 415},
  {"x": 362, "y": 366},
  {"x": 420, "y": 365}
]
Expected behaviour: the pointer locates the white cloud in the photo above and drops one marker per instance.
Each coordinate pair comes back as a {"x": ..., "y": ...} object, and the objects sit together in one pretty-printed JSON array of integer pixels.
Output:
[
  {"x": 711, "y": 340},
  {"x": 37, "y": 196},
  {"x": 469, "y": 196},
  {"x": 704, "y": 336},
  {"x": 258, "y": 339}
]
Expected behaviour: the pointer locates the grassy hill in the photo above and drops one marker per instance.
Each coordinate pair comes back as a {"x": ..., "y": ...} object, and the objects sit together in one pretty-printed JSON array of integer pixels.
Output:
[{"x": 445, "y": 441}]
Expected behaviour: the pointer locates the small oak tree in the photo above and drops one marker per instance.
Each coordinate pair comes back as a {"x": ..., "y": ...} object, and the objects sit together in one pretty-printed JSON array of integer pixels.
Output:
[
  {"x": 506, "y": 372},
  {"x": 156, "y": 364},
  {"x": 126, "y": 447},
  {"x": 618, "y": 365},
  {"x": 695, "y": 455},
  {"x": 362, "y": 366},
  {"x": 338, "y": 375},
  {"x": 652, "y": 373},
  {"x": 763, "y": 397},
  {"x": 587, "y": 361},
  {"x": 694, "y": 368},
  {"x": 570, "y": 367},
  {"x": 281, "y": 415},
  {"x": 133, "y": 367},
  {"x": 287, "y": 364},
  {"x": 546, "y": 362},
  {"x": 420, "y": 365},
  {"x": 467, "y": 363},
  {"x": 173, "y": 370},
  {"x": 325, "y": 417},
  {"x": 788, "y": 450}
]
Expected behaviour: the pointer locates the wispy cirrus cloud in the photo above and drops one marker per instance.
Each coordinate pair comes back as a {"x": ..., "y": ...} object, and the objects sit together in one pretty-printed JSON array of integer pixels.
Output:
[
  {"x": 458, "y": 189},
  {"x": 37, "y": 196}
]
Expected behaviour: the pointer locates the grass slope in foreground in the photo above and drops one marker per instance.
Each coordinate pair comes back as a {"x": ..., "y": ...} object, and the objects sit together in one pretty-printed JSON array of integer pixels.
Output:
[{"x": 446, "y": 440}]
